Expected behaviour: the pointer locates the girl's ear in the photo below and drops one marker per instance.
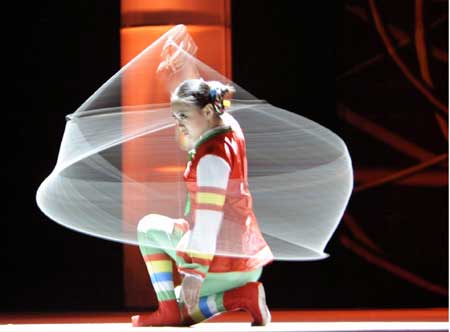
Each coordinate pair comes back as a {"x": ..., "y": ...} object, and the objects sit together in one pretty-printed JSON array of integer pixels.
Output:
[{"x": 208, "y": 111}]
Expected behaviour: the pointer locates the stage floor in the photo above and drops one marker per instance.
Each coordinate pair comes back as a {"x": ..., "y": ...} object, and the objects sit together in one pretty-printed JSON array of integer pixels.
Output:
[{"x": 282, "y": 320}]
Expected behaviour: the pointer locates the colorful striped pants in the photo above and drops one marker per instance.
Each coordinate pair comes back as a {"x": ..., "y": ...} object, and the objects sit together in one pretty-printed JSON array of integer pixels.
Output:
[{"x": 158, "y": 238}]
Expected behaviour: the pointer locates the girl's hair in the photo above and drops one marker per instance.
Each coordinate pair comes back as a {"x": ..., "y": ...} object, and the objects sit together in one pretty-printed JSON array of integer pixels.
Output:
[{"x": 201, "y": 93}]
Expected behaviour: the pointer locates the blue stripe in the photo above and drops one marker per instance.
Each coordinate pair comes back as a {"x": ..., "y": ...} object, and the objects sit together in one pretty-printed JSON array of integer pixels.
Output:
[
  {"x": 203, "y": 305},
  {"x": 161, "y": 276}
]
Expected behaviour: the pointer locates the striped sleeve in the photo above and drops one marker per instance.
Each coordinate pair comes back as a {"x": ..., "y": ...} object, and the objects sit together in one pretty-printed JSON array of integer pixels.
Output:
[{"x": 212, "y": 181}]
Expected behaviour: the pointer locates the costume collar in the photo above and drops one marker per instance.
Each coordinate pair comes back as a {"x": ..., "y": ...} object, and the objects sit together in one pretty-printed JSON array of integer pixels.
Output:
[{"x": 208, "y": 135}]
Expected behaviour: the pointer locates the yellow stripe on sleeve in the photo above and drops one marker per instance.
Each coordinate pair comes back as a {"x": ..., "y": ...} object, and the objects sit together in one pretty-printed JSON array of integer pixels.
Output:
[{"x": 211, "y": 198}]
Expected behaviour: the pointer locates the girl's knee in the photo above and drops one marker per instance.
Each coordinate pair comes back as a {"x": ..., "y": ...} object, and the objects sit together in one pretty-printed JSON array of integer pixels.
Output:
[{"x": 155, "y": 222}]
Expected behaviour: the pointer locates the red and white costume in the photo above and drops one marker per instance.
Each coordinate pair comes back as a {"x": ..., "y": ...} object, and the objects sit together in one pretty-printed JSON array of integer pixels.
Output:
[{"x": 224, "y": 236}]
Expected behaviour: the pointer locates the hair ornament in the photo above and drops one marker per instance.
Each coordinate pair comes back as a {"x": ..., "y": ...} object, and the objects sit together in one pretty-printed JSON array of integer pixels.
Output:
[{"x": 216, "y": 98}]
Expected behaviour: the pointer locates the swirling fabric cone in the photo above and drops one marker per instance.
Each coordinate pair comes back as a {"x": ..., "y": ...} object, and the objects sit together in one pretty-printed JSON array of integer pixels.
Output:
[{"x": 119, "y": 160}]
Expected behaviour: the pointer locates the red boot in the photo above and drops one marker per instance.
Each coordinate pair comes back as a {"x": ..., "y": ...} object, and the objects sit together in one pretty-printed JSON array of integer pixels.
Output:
[
  {"x": 251, "y": 298},
  {"x": 168, "y": 314}
]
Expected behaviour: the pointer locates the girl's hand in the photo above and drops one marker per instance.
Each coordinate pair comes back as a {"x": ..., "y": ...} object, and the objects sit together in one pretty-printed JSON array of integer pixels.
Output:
[{"x": 190, "y": 292}]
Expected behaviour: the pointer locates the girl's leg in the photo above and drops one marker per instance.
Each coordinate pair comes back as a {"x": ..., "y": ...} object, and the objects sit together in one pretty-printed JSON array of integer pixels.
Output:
[
  {"x": 232, "y": 291},
  {"x": 220, "y": 291},
  {"x": 162, "y": 233}
]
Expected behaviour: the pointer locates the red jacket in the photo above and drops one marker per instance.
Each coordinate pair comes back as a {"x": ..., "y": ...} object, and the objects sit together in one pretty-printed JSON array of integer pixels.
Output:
[{"x": 240, "y": 244}]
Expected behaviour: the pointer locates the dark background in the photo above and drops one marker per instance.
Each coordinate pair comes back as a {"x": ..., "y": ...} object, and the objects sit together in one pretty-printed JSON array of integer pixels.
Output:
[{"x": 60, "y": 53}]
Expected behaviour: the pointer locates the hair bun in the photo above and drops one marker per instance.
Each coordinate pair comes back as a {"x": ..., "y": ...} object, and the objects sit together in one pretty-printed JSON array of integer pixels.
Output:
[{"x": 217, "y": 92}]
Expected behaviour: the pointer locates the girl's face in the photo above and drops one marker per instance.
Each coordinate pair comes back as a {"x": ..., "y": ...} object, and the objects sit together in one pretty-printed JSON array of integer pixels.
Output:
[{"x": 191, "y": 121}]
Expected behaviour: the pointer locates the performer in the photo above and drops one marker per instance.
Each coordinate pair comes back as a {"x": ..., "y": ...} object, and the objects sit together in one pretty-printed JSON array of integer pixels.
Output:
[{"x": 219, "y": 206}]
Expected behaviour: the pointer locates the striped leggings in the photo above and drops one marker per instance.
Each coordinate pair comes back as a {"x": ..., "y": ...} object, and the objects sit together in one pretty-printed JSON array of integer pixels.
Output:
[{"x": 158, "y": 238}]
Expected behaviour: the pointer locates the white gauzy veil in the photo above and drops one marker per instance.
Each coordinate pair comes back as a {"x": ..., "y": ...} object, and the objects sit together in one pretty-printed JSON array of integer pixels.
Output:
[{"x": 119, "y": 160}]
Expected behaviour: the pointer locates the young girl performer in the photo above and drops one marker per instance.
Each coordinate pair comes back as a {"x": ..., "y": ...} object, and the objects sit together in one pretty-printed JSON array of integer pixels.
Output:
[{"x": 219, "y": 202}]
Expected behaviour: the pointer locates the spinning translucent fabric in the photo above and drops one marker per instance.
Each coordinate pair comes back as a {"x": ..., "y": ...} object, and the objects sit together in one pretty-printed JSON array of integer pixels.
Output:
[{"x": 119, "y": 160}]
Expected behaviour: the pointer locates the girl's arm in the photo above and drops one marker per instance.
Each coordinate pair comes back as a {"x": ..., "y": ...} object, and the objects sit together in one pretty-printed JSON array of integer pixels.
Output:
[{"x": 212, "y": 181}]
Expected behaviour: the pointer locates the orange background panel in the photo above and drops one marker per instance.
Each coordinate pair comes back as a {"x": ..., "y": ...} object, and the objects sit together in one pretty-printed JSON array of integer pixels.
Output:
[
  {"x": 207, "y": 23},
  {"x": 200, "y": 6}
]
